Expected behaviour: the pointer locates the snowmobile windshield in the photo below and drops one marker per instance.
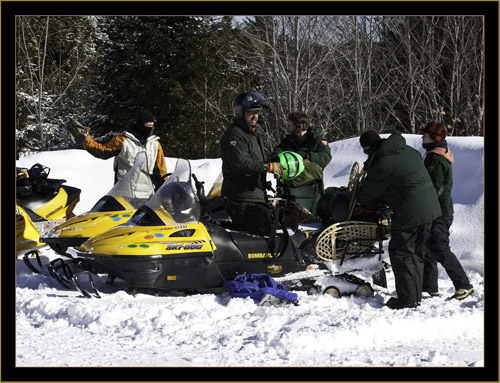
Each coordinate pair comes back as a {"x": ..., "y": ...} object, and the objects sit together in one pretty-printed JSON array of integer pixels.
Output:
[
  {"x": 130, "y": 192},
  {"x": 175, "y": 202}
]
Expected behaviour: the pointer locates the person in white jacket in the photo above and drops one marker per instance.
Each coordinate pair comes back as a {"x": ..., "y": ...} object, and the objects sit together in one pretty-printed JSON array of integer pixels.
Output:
[{"x": 125, "y": 146}]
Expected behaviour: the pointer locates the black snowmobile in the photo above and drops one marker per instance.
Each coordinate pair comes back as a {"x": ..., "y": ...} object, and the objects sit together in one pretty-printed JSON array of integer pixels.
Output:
[{"x": 165, "y": 246}]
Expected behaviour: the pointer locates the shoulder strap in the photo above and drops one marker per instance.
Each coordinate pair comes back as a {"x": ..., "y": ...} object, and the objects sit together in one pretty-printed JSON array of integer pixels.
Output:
[{"x": 272, "y": 234}]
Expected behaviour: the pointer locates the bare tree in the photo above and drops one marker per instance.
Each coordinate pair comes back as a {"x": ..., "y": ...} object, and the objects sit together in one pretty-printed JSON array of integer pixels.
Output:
[
  {"x": 463, "y": 100},
  {"x": 438, "y": 71},
  {"x": 349, "y": 73},
  {"x": 292, "y": 53},
  {"x": 44, "y": 72}
]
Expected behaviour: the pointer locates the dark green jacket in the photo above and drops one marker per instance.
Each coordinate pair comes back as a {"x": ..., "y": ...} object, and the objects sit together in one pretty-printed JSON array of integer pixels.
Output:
[
  {"x": 396, "y": 173},
  {"x": 441, "y": 173},
  {"x": 307, "y": 189},
  {"x": 311, "y": 143},
  {"x": 244, "y": 165}
]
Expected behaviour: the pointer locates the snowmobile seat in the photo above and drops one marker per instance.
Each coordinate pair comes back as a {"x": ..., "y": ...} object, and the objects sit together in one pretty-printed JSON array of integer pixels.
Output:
[
  {"x": 23, "y": 185},
  {"x": 32, "y": 202},
  {"x": 49, "y": 185}
]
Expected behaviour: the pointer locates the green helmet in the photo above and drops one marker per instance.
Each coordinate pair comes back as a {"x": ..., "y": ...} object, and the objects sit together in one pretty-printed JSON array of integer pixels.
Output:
[{"x": 292, "y": 163}]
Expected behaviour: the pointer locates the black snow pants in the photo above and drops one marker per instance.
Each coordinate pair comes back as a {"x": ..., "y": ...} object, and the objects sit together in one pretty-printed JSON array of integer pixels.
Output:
[
  {"x": 438, "y": 250},
  {"x": 407, "y": 254}
]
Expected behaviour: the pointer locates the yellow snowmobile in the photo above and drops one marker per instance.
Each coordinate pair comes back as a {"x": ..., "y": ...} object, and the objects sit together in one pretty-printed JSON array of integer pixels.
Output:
[
  {"x": 164, "y": 246},
  {"x": 41, "y": 204},
  {"x": 115, "y": 208}
]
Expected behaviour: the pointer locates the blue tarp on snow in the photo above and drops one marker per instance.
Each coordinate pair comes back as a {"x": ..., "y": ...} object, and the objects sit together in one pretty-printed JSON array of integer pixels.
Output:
[{"x": 256, "y": 286}]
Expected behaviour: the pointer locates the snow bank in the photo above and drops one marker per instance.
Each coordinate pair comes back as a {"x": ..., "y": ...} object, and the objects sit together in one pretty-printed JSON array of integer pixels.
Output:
[
  {"x": 95, "y": 176},
  {"x": 467, "y": 170},
  {"x": 58, "y": 327}
]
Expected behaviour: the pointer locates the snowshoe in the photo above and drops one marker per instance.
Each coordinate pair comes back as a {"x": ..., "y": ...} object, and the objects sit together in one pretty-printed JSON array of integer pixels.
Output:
[{"x": 349, "y": 239}]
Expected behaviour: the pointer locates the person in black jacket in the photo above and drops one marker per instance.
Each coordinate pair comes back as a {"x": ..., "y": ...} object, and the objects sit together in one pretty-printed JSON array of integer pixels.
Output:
[
  {"x": 308, "y": 187},
  {"x": 395, "y": 173},
  {"x": 245, "y": 166}
]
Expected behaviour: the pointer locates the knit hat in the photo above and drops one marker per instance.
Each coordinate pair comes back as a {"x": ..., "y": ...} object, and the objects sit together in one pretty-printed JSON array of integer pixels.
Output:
[
  {"x": 436, "y": 130},
  {"x": 144, "y": 116},
  {"x": 368, "y": 140}
]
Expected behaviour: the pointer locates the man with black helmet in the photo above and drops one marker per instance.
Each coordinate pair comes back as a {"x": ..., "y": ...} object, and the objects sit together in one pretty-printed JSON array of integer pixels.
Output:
[
  {"x": 245, "y": 165},
  {"x": 395, "y": 173},
  {"x": 125, "y": 146}
]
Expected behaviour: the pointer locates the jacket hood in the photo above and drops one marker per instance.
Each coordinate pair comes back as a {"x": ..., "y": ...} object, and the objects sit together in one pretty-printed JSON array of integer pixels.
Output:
[
  {"x": 394, "y": 144},
  {"x": 131, "y": 134},
  {"x": 443, "y": 152}
]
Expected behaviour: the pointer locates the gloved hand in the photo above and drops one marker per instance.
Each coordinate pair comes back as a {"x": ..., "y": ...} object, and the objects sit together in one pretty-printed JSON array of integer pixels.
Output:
[
  {"x": 78, "y": 131},
  {"x": 276, "y": 168}
]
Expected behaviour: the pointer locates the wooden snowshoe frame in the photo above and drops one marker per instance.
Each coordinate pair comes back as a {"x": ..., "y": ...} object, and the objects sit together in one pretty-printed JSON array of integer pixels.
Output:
[
  {"x": 349, "y": 239},
  {"x": 357, "y": 173}
]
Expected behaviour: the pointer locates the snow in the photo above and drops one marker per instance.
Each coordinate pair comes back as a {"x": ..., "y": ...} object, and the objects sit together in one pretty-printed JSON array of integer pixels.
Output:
[{"x": 208, "y": 330}]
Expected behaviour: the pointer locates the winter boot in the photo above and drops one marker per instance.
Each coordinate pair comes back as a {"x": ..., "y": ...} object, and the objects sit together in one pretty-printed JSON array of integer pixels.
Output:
[
  {"x": 462, "y": 294},
  {"x": 433, "y": 294},
  {"x": 396, "y": 304}
]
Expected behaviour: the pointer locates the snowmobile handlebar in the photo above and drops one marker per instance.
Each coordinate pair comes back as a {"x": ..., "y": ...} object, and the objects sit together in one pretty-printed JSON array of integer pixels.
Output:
[{"x": 200, "y": 189}]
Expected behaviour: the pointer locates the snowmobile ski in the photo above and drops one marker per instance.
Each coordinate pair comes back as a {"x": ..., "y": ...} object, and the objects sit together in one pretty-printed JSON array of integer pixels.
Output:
[
  {"x": 76, "y": 282},
  {"x": 27, "y": 262},
  {"x": 60, "y": 270}
]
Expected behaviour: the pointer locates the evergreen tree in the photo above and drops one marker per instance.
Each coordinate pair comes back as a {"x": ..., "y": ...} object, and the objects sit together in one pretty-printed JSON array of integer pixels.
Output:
[{"x": 171, "y": 67}]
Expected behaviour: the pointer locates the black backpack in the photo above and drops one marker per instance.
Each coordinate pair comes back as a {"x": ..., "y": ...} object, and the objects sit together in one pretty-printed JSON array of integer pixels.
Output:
[{"x": 333, "y": 206}]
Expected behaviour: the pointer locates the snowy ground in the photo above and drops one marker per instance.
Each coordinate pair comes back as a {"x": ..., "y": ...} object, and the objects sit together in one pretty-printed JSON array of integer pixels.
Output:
[{"x": 59, "y": 327}]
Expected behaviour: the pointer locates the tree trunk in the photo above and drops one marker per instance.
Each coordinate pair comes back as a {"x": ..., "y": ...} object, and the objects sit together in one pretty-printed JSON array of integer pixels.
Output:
[{"x": 41, "y": 72}]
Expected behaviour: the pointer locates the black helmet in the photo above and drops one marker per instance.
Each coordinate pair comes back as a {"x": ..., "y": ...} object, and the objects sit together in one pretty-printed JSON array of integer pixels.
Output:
[{"x": 250, "y": 101}]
